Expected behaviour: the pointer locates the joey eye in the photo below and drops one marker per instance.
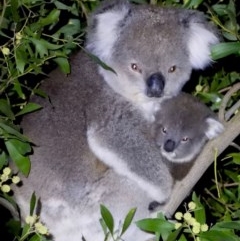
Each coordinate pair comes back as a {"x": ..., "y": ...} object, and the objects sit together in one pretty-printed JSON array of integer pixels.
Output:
[
  {"x": 185, "y": 139},
  {"x": 172, "y": 69},
  {"x": 136, "y": 68},
  {"x": 164, "y": 130}
]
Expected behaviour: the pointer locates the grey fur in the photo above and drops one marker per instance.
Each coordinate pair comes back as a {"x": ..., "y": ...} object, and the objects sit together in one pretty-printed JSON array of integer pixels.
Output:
[{"x": 97, "y": 114}]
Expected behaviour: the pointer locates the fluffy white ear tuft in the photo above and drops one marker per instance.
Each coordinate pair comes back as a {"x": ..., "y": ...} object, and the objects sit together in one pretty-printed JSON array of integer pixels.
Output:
[
  {"x": 214, "y": 128},
  {"x": 199, "y": 45},
  {"x": 107, "y": 31}
]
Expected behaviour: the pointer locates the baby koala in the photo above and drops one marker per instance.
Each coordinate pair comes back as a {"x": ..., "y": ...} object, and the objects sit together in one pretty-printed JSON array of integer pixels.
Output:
[{"x": 182, "y": 126}]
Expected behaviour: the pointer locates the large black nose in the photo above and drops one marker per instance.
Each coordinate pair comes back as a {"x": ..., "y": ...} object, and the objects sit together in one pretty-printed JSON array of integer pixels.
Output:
[
  {"x": 155, "y": 85},
  {"x": 169, "y": 145}
]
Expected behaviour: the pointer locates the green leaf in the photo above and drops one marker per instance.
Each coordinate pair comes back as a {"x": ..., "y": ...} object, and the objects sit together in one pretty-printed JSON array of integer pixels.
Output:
[
  {"x": 14, "y": 227},
  {"x": 107, "y": 218},
  {"x": 33, "y": 203},
  {"x": 22, "y": 162},
  {"x": 182, "y": 238},
  {"x": 12, "y": 130},
  {"x": 69, "y": 30},
  {"x": 222, "y": 50},
  {"x": 18, "y": 88},
  {"x": 52, "y": 17},
  {"x": 235, "y": 157},
  {"x": 14, "y": 9},
  {"x": 63, "y": 63},
  {"x": 155, "y": 225},
  {"x": 5, "y": 109},
  {"x": 128, "y": 220},
  {"x": 199, "y": 212},
  {"x": 216, "y": 235},
  {"x": 36, "y": 237},
  {"x": 30, "y": 107},
  {"x": 40, "y": 92},
  {"x": 42, "y": 46},
  {"x": 22, "y": 147},
  {"x": 3, "y": 159},
  {"x": 25, "y": 230},
  {"x": 228, "y": 225},
  {"x": 21, "y": 58},
  {"x": 98, "y": 61},
  {"x": 173, "y": 235},
  {"x": 192, "y": 3}
]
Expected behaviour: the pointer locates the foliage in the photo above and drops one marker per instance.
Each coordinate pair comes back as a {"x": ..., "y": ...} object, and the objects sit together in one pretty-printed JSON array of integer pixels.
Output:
[
  {"x": 37, "y": 35},
  {"x": 108, "y": 227}
]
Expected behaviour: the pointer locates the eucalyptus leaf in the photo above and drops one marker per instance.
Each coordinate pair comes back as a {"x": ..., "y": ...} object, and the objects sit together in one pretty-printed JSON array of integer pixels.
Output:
[
  {"x": 228, "y": 225},
  {"x": 36, "y": 237},
  {"x": 12, "y": 130},
  {"x": 22, "y": 162},
  {"x": 5, "y": 109},
  {"x": 51, "y": 18},
  {"x": 199, "y": 212},
  {"x": 173, "y": 235},
  {"x": 155, "y": 225},
  {"x": 33, "y": 202},
  {"x": 21, "y": 57},
  {"x": 217, "y": 235},
  {"x": 63, "y": 64},
  {"x": 222, "y": 50},
  {"x": 25, "y": 230},
  {"x": 107, "y": 218},
  {"x": 98, "y": 61},
  {"x": 128, "y": 220},
  {"x": 29, "y": 108},
  {"x": 14, "y": 226},
  {"x": 3, "y": 159},
  {"x": 235, "y": 157},
  {"x": 14, "y": 9},
  {"x": 21, "y": 146}
]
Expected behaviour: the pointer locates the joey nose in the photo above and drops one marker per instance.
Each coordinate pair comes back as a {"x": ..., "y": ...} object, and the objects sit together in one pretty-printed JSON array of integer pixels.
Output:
[
  {"x": 155, "y": 85},
  {"x": 169, "y": 145}
]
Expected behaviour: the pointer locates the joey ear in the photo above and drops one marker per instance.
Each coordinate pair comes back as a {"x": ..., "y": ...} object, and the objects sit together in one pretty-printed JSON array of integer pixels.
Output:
[
  {"x": 201, "y": 37},
  {"x": 214, "y": 128},
  {"x": 104, "y": 27}
]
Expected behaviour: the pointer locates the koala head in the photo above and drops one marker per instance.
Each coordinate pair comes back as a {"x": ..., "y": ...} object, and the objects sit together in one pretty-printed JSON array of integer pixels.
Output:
[
  {"x": 182, "y": 127},
  {"x": 152, "y": 50}
]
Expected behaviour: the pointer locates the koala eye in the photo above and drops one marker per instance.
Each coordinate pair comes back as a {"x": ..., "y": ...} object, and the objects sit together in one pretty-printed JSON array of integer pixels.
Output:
[
  {"x": 164, "y": 130},
  {"x": 136, "y": 68},
  {"x": 185, "y": 139},
  {"x": 172, "y": 69}
]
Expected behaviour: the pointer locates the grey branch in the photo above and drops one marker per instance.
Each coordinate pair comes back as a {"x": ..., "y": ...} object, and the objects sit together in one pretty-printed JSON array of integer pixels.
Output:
[{"x": 183, "y": 188}]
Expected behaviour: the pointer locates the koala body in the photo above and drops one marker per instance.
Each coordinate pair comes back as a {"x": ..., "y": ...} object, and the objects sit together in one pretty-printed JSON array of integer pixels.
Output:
[{"x": 96, "y": 114}]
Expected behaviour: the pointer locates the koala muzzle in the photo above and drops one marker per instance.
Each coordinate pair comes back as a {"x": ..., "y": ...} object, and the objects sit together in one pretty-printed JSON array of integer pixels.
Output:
[
  {"x": 155, "y": 85},
  {"x": 169, "y": 145}
]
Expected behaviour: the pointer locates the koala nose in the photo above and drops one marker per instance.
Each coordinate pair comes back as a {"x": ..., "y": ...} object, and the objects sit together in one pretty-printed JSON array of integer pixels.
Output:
[
  {"x": 155, "y": 85},
  {"x": 169, "y": 145}
]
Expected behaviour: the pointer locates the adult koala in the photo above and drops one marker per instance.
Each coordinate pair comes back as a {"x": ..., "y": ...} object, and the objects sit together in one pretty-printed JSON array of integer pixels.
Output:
[{"x": 97, "y": 114}]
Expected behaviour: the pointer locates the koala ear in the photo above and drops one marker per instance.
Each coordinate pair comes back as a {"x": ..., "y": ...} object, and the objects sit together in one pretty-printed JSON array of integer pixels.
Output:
[
  {"x": 214, "y": 128},
  {"x": 202, "y": 37},
  {"x": 104, "y": 31}
]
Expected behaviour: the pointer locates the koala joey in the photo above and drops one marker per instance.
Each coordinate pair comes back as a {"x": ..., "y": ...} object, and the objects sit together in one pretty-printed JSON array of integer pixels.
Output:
[
  {"x": 182, "y": 126},
  {"x": 100, "y": 114}
]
